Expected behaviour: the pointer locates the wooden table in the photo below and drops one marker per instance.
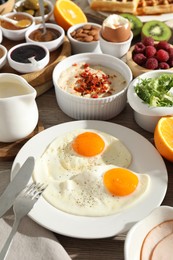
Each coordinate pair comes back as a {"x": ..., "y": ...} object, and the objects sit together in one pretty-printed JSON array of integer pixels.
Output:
[{"x": 96, "y": 249}]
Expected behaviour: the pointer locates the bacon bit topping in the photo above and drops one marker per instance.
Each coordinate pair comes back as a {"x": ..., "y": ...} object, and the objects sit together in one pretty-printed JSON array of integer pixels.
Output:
[{"x": 92, "y": 84}]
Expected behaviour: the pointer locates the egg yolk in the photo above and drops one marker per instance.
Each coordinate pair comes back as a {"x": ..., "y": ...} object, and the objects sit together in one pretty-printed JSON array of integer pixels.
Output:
[
  {"x": 88, "y": 144},
  {"x": 120, "y": 182}
]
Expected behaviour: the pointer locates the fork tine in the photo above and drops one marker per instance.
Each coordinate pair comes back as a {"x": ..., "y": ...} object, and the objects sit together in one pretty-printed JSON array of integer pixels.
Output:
[{"x": 35, "y": 190}]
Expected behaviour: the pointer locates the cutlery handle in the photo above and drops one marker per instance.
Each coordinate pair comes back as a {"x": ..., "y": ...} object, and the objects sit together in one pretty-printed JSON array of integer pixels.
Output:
[{"x": 8, "y": 242}]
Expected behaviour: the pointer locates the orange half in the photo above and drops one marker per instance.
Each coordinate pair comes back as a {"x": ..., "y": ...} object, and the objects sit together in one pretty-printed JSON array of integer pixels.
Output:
[
  {"x": 163, "y": 137},
  {"x": 67, "y": 13}
]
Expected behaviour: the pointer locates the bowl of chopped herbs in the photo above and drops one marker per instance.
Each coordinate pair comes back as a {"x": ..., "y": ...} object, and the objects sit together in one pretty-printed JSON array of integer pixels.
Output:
[{"x": 151, "y": 96}]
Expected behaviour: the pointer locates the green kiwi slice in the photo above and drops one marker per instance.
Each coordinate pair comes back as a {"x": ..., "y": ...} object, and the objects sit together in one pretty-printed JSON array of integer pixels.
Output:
[
  {"x": 158, "y": 30},
  {"x": 135, "y": 23}
]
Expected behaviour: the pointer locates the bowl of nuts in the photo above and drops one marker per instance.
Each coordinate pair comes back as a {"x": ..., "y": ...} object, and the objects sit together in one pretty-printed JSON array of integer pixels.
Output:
[
  {"x": 84, "y": 37},
  {"x": 148, "y": 55}
]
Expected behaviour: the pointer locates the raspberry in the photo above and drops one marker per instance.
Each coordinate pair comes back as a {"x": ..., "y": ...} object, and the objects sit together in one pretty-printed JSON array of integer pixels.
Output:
[
  {"x": 162, "y": 55},
  {"x": 139, "y": 47},
  {"x": 163, "y": 65},
  {"x": 150, "y": 51},
  {"x": 139, "y": 58},
  {"x": 151, "y": 64},
  {"x": 170, "y": 51},
  {"x": 148, "y": 41},
  {"x": 170, "y": 61},
  {"x": 163, "y": 45}
]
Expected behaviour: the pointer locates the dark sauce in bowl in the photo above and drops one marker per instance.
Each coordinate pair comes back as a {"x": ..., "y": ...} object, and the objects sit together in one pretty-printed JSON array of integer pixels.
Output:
[
  {"x": 21, "y": 54},
  {"x": 50, "y": 35}
]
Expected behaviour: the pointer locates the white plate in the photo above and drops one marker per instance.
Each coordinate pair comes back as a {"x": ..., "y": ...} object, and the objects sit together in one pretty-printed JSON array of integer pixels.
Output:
[
  {"x": 144, "y": 18},
  {"x": 146, "y": 159}
]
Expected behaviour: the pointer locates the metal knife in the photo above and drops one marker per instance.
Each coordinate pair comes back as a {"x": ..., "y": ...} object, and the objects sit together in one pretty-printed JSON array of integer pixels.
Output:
[{"x": 18, "y": 183}]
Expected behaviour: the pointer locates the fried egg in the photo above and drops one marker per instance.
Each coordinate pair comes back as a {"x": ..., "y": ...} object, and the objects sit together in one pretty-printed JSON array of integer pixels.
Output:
[
  {"x": 102, "y": 191},
  {"x": 78, "y": 151}
]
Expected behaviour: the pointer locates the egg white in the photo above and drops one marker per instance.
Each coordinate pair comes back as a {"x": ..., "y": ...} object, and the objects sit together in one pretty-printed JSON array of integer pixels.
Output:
[
  {"x": 86, "y": 195},
  {"x": 59, "y": 161}
]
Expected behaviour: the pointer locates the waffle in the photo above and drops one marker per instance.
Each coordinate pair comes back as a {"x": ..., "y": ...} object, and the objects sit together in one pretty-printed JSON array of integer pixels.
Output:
[
  {"x": 150, "y": 7},
  {"x": 137, "y": 7},
  {"x": 123, "y": 6}
]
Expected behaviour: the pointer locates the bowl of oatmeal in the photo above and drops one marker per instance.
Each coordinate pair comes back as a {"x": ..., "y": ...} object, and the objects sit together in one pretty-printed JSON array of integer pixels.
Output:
[{"x": 91, "y": 86}]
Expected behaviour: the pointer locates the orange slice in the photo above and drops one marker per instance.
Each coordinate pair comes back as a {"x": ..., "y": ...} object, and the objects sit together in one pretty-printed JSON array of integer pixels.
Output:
[
  {"x": 67, "y": 13},
  {"x": 163, "y": 137}
]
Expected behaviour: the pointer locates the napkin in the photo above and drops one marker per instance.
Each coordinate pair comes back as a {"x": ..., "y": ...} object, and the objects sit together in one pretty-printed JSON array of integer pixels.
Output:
[{"x": 32, "y": 241}]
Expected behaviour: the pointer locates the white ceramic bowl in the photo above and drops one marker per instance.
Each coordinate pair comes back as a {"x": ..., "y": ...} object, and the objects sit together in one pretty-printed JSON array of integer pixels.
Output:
[
  {"x": 138, "y": 232},
  {"x": 38, "y": 19},
  {"x": 145, "y": 116},
  {"x": 17, "y": 35},
  {"x": 116, "y": 49},
  {"x": 92, "y": 108},
  {"x": 3, "y": 59},
  {"x": 25, "y": 51},
  {"x": 51, "y": 45},
  {"x": 79, "y": 46},
  {"x": 1, "y": 35}
]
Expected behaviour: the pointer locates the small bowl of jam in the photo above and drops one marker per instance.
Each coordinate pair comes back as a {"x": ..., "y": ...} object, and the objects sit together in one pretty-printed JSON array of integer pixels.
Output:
[
  {"x": 52, "y": 38},
  {"x": 3, "y": 56},
  {"x": 28, "y": 57},
  {"x": 16, "y": 32}
]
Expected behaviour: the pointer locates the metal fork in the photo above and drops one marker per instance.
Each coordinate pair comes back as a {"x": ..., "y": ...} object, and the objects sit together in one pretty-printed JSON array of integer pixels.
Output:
[{"x": 21, "y": 207}]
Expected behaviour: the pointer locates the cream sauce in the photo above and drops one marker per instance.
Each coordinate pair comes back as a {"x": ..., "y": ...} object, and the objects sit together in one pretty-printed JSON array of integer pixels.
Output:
[{"x": 71, "y": 79}]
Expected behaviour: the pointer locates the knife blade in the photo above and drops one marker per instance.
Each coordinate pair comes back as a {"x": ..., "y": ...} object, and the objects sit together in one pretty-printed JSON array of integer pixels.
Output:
[{"x": 17, "y": 184}]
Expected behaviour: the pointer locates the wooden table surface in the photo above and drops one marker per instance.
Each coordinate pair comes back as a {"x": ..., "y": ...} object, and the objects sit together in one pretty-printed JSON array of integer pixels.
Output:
[{"x": 94, "y": 249}]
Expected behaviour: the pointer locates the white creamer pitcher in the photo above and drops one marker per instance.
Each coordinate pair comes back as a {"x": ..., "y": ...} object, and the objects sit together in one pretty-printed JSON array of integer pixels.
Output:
[{"x": 18, "y": 108}]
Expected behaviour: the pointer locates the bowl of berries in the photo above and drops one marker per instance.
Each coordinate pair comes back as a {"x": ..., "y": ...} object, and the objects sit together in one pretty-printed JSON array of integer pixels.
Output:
[{"x": 147, "y": 55}]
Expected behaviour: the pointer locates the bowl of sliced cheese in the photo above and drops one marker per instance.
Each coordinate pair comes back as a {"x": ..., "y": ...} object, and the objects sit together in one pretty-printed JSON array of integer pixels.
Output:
[{"x": 151, "y": 238}]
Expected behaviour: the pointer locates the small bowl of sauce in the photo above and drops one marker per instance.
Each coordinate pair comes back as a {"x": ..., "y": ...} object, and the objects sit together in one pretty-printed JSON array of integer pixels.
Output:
[
  {"x": 52, "y": 39},
  {"x": 3, "y": 56},
  {"x": 14, "y": 32},
  {"x": 28, "y": 57}
]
